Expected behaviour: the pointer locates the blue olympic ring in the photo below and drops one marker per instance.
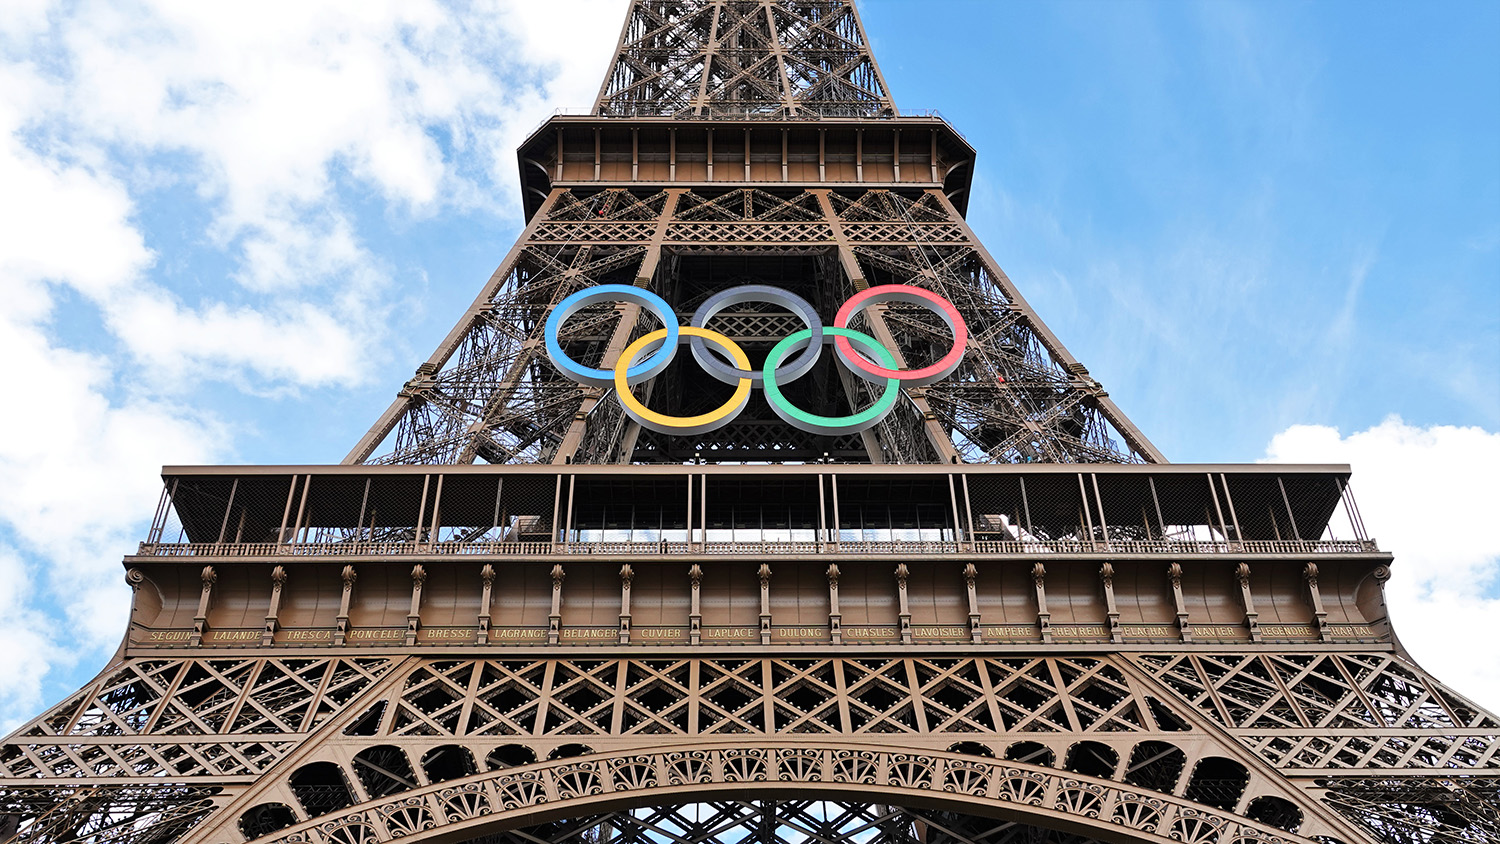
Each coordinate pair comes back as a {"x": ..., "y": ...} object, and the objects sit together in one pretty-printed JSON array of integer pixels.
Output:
[{"x": 646, "y": 369}]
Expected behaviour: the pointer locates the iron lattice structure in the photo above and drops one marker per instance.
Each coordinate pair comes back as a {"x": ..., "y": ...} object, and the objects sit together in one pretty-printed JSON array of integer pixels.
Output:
[
  {"x": 744, "y": 58},
  {"x": 490, "y": 394},
  {"x": 513, "y": 615}
]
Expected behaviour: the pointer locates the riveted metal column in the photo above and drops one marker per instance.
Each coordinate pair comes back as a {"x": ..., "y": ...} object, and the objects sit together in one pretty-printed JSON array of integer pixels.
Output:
[
  {"x": 346, "y": 595},
  {"x": 936, "y": 436},
  {"x": 1252, "y": 618},
  {"x": 414, "y": 616},
  {"x": 1043, "y": 617},
  {"x": 273, "y": 612},
  {"x": 205, "y": 599},
  {"x": 486, "y": 595},
  {"x": 554, "y": 618},
  {"x": 630, "y": 313}
]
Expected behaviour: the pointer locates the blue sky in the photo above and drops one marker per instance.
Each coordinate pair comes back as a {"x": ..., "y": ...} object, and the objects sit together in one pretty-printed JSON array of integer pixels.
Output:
[
  {"x": 1295, "y": 206},
  {"x": 1272, "y": 230}
]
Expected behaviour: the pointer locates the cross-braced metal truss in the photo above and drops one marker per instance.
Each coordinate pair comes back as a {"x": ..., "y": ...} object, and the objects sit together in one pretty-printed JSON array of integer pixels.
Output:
[
  {"x": 782, "y": 822},
  {"x": 215, "y": 718},
  {"x": 365, "y": 749},
  {"x": 1420, "y": 810},
  {"x": 743, "y": 58},
  {"x": 770, "y": 696},
  {"x": 1329, "y": 711},
  {"x": 103, "y": 814},
  {"x": 490, "y": 394}
]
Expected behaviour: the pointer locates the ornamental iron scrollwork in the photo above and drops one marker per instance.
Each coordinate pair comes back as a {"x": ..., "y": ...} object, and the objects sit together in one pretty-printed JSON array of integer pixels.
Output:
[{"x": 971, "y": 781}]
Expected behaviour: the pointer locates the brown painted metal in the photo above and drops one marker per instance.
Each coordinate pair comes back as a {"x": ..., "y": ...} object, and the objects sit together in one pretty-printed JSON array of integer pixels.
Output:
[
  {"x": 513, "y": 616},
  {"x": 488, "y": 392}
]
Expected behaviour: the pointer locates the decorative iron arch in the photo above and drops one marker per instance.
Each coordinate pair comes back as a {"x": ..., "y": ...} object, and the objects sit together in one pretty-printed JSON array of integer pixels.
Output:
[{"x": 500, "y": 800}]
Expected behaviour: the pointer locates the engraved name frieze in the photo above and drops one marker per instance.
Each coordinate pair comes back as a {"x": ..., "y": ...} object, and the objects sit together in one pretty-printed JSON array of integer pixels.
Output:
[
  {"x": 311, "y": 635},
  {"x": 1080, "y": 631},
  {"x": 730, "y": 633},
  {"x": 924, "y": 631},
  {"x": 173, "y": 637},
  {"x": 858, "y": 633},
  {"x": 237, "y": 637},
  {"x": 660, "y": 634},
  {"x": 1149, "y": 631},
  {"x": 590, "y": 633},
  {"x": 1009, "y": 631},
  {"x": 800, "y": 634},
  {"x": 446, "y": 634},
  {"x": 518, "y": 634},
  {"x": 1218, "y": 631},
  {"x": 377, "y": 635},
  {"x": 1289, "y": 631}
]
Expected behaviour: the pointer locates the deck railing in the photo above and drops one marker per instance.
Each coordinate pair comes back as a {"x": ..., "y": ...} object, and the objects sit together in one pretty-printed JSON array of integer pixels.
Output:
[{"x": 365, "y": 548}]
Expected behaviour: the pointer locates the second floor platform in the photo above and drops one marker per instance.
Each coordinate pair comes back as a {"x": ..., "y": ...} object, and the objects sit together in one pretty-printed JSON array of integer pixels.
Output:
[
  {"x": 765, "y": 556},
  {"x": 852, "y": 511}
]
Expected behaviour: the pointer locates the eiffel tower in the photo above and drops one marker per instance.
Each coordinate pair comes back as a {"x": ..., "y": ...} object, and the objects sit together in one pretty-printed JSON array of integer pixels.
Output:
[{"x": 916, "y": 580}]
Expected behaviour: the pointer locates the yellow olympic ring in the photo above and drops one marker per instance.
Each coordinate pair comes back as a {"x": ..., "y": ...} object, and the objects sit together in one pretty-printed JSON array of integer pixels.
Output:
[{"x": 663, "y": 424}]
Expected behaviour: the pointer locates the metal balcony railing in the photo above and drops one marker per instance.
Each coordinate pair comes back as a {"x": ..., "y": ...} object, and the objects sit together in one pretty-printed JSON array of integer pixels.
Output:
[{"x": 360, "y": 548}]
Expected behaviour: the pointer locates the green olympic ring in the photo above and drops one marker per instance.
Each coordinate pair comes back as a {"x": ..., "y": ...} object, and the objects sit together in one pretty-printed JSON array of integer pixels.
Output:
[{"x": 830, "y": 425}]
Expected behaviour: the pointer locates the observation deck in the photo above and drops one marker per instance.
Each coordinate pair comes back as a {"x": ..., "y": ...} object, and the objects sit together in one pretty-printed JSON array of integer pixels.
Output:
[
  {"x": 1014, "y": 555},
  {"x": 913, "y": 151}
]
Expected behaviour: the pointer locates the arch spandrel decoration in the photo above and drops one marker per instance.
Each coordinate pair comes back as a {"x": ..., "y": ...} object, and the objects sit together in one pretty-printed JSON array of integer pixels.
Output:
[{"x": 499, "y": 800}]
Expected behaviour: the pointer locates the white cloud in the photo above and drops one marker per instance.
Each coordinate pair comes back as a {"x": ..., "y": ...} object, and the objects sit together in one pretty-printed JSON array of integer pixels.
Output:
[
  {"x": 275, "y": 99},
  {"x": 58, "y": 219},
  {"x": 81, "y": 470},
  {"x": 23, "y": 18},
  {"x": 1427, "y": 497},
  {"x": 30, "y": 643},
  {"x": 304, "y": 344},
  {"x": 268, "y": 95},
  {"x": 281, "y": 117}
]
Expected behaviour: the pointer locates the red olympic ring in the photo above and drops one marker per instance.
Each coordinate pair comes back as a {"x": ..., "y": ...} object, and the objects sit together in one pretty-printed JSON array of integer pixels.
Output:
[{"x": 914, "y": 295}]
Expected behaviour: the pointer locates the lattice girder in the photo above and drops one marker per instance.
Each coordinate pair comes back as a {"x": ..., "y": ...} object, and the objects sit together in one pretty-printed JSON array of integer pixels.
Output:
[
  {"x": 789, "y": 821},
  {"x": 801, "y": 720},
  {"x": 743, "y": 58},
  {"x": 953, "y": 784},
  {"x": 105, "y": 814},
  {"x": 1334, "y": 711},
  {"x": 1016, "y": 398},
  {"x": 130, "y": 724},
  {"x": 1420, "y": 810}
]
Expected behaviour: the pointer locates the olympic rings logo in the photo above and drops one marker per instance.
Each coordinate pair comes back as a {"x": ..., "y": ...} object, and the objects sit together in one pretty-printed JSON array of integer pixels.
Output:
[{"x": 789, "y": 360}]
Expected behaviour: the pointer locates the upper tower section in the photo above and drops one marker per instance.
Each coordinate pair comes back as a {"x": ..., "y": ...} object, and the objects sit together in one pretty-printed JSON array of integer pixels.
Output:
[
  {"x": 762, "y": 94},
  {"x": 743, "y": 59},
  {"x": 739, "y": 150}
]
